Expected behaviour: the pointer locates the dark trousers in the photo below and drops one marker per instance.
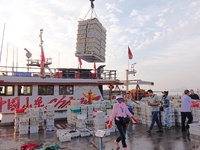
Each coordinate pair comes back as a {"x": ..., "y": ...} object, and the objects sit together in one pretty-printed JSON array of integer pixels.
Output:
[
  {"x": 155, "y": 120},
  {"x": 185, "y": 115},
  {"x": 122, "y": 130}
]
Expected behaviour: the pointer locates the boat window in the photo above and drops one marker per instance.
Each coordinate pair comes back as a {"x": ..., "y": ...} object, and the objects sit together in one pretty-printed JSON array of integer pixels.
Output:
[
  {"x": 45, "y": 90},
  {"x": 25, "y": 90},
  {"x": 66, "y": 90},
  {"x": 7, "y": 90}
]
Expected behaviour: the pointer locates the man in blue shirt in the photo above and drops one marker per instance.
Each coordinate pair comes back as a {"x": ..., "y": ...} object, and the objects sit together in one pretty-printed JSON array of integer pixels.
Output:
[{"x": 166, "y": 104}]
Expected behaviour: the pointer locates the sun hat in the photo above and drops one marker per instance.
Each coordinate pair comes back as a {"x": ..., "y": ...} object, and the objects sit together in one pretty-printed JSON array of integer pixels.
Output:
[{"x": 119, "y": 97}]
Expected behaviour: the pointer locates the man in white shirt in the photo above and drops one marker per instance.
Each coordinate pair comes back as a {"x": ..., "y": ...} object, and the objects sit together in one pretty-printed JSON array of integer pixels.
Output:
[{"x": 186, "y": 110}]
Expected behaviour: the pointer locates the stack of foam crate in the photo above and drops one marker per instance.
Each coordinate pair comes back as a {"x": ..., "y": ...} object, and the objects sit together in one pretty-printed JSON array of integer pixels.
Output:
[
  {"x": 34, "y": 120},
  {"x": 23, "y": 125},
  {"x": 17, "y": 120},
  {"x": 177, "y": 112},
  {"x": 143, "y": 113},
  {"x": 63, "y": 135},
  {"x": 195, "y": 114},
  {"x": 81, "y": 121},
  {"x": 198, "y": 115},
  {"x": 195, "y": 129},
  {"x": 137, "y": 111},
  {"x": 72, "y": 111},
  {"x": 148, "y": 111},
  {"x": 50, "y": 117},
  {"x": 41, "y": 118},
  {"x": 90, "y": 109},
  {"x": 91, "y": 40},
  {"x": 103, "y": 106},
  {"x": 99, "y": 120}
]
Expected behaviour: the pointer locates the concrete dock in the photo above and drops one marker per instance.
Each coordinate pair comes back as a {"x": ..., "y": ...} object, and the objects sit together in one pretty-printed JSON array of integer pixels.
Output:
[{"x": 137, "y": 139}]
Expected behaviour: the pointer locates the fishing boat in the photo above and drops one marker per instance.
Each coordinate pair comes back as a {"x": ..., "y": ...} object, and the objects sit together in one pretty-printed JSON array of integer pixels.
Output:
[{"x": 27, "y": 92}]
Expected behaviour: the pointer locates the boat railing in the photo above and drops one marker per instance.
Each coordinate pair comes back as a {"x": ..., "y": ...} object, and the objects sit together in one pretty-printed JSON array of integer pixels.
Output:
[{"x": 74, "y": 73}]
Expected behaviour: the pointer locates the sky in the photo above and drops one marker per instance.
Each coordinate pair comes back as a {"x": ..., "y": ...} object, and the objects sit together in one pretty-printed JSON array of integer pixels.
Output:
[{"x": 163, "y": 36}]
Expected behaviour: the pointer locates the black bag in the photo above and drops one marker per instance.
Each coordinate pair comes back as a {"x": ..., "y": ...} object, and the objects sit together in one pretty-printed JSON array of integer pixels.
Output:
[
  {"x": 161, "y": 108},
  {"x": 125, "y": 120}
]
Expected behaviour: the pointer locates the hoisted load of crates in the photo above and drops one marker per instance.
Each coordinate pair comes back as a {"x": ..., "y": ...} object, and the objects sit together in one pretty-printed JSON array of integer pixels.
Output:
[{"x": 91, "y": 40}]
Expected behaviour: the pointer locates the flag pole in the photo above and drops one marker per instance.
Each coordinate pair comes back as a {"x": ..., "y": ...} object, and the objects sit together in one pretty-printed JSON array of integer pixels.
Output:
[{"x": 127, "y": 72}]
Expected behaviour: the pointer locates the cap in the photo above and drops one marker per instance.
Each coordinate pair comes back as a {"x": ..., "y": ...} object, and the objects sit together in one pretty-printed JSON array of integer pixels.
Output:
[
  {"x": 165, "y": 92},
  {"x": 119, "y": 97}
]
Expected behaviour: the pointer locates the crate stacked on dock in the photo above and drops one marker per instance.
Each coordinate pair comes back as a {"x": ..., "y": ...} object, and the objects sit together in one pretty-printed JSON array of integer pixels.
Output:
[
  {"x": 103, "y": 106},
  {"x": 99, "y": 120},
  {"x": 137, "y": 111},
  {"x": 108, "y": 104},
  {"x": 72, "y": 111},
  {"x": 23, "y": 125},
  {"x": 63, "y": 135},
  {"x": 148, "y": 111},
  {"x": 17, "y": 120},
  {"x": 81, "y": 121},
  {"x": 195, "y": 111},
  {"x": 97, "y": 107},
  {"x": 90, "y": 109},
  {"x": 143, "y": 113},
  {"x": 195, "y": 129},
  {"x": 50, "y": 117},
  {"x": 91, "y": 40},
  {"x": 41, "y": 118},
  {"x": 177, "y": 114},
  {"x": 34, "y": 120},
  {"x": 84, "y": 132},
  {"x": 84, "y": 109},
  {"x": 198, "y": 115}
]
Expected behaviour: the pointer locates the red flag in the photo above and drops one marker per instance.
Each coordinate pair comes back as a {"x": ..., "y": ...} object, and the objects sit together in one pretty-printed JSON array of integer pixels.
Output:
[
  {"x": 42, "y": 62},
  {"x": 80, "y": 62},
  {"x": 130, "y": 55}
]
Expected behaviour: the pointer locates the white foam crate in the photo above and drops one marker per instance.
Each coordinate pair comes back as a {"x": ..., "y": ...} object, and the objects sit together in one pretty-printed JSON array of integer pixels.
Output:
[
  {"x": 195, "y": 126},
  {"x": 84, "y": 132},
  {"x": 75, "y": 134},
  {"x": 23, "y": 131},
  {"x": 64, "y": 138}
]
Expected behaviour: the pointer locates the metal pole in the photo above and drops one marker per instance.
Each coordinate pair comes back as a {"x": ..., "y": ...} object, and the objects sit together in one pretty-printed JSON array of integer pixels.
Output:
[
  {"x": 2, "y": 42},
  {"x": 13, "y": 60},
  {"x": 101, "y": 144},
  {"x": 127, "y": 71},
  {"x": 17, "y": 60},
  {"x": 7, "y": 59}
]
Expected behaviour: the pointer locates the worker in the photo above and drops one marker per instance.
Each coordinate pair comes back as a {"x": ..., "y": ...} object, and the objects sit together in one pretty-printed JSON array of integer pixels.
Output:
[
  {"x": 193, "y": 95},
  {"x": 154, "y": 102},
  {"x": 119, "y": 114},
  {"x": 186, "y": 101}
]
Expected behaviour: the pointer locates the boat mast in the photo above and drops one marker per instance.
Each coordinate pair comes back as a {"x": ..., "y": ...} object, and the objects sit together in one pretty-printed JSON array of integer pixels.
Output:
[{"x": 2, "y": 42}]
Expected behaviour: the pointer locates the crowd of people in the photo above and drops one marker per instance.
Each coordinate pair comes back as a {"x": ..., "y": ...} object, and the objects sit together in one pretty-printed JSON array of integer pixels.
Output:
[{"x": 123, "y": 111}]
